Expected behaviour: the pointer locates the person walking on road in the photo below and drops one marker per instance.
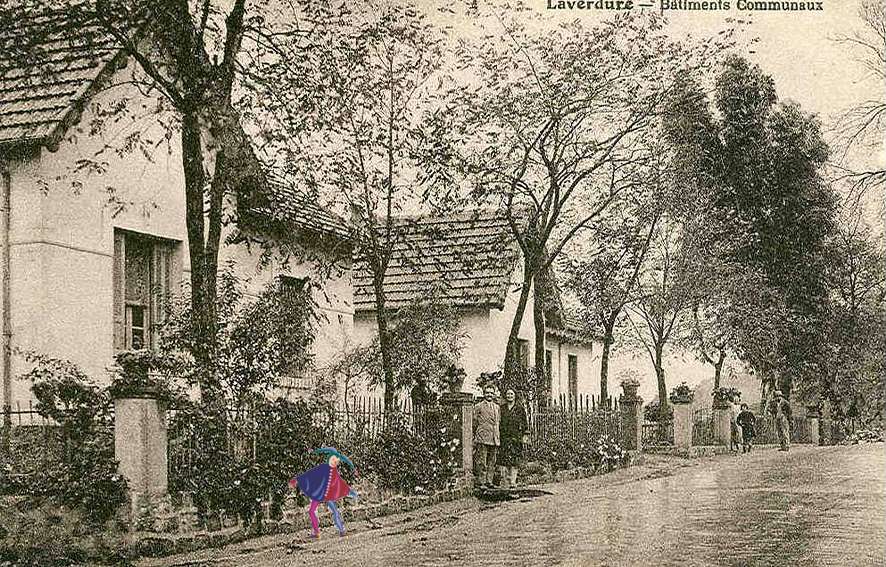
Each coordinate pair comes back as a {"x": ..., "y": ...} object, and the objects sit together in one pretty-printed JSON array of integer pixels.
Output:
[
  {"x": 782, "y": 410},
  {"x": 747, "y": 421},
  {"x": 514, "y": 427},
  {"x": 487, "y": 419},
  {"x": 735, "y": 437}
]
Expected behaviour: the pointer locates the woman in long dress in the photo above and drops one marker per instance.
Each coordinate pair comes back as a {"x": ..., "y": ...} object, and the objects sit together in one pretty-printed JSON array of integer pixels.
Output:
[{"x": 513, "y": 430}]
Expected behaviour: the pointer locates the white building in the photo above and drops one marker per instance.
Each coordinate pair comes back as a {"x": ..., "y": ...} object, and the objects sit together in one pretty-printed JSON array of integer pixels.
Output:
[
  {"x": 473, "y": 259},
  {"x": 84, "y": 268}
]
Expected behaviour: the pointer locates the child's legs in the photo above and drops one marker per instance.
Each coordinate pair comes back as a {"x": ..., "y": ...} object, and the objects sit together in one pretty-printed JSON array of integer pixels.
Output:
[
  {"x": 312, "y": 514},
  {"x": 336, "y": 517}
]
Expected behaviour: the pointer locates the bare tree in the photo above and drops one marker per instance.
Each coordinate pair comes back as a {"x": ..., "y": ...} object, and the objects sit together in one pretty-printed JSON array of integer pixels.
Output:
[
  {"x": 357, "y": 122},
  {"x": 862, "y": 126}
]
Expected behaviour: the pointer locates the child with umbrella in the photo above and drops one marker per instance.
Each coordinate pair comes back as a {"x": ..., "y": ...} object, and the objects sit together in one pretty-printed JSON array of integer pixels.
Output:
[{"x": 323, "y": 483}]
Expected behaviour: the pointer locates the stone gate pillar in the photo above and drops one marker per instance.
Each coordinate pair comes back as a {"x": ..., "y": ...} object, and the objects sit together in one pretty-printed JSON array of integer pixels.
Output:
[
  {"x": 631, "y": 405},
  {"x": 140, "y": 444},
  {"x": 460, "y": 407},
  {"x": 722, "y": 413},
  {"x": 812, "y": 424},
  {"x": 682, "y": 422}
]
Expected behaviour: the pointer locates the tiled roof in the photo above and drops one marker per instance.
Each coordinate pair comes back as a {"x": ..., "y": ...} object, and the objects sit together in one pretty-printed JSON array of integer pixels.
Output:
[
  {"x": 572, "y": 329},
  {"x": 467, "y": 258},
  {"x": 283, "y": 203},
  {"x": 49, "y": 63},
  {"x": 47, "y": 77}
]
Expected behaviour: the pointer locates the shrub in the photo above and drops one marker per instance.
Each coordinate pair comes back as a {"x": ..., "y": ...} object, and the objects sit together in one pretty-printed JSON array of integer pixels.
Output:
[
  {"x": 562, "y": 453},
  {"x": 82, "y": 474},
  {"x": 260, "y": 451},
  {"x": 408, "y": 460}
]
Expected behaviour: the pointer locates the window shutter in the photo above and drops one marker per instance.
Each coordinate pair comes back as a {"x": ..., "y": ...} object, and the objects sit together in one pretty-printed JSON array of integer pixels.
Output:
[
  {"x": 119, "y": 291},
  {"x": 160, "y": 288}
]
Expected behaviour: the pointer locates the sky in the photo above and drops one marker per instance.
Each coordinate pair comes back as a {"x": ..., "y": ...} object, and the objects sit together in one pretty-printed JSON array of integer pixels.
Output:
[{"x": 798, "y": 49}]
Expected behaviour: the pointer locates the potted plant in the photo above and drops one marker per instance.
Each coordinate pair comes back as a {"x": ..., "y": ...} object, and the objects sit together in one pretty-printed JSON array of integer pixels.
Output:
[
  {"x": 682, "y": 394},
  {"x": 135, "y": 378},
  {"x": 454, "y": 378},
  {"x": 723, "y": 396}
]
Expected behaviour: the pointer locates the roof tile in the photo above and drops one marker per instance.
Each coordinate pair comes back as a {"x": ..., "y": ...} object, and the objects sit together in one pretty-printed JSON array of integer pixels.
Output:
[{"x": 468, "y": 258}]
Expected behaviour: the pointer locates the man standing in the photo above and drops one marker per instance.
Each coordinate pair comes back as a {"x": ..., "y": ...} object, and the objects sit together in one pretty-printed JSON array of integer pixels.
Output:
[
  {"x": 486, "y": 436},
  {"x": 782, "y": 411}
]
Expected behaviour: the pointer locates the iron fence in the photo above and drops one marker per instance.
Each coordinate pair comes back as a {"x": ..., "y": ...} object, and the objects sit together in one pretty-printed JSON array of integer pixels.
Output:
[
  {"x": 703, "y": 427},
  {"x": 31, "y": 442},
  {"x": 658, "y": 433},
  {"x": 581, "y": 420}
]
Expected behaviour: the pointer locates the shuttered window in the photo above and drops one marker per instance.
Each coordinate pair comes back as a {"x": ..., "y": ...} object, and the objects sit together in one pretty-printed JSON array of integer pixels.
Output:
[{"x": 143, "y": 267}]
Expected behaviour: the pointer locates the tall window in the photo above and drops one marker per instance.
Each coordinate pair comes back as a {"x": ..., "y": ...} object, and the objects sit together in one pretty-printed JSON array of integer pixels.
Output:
[
  {"x": 290, "y": 288},
  {"x": 142, "y": 284},
  {"x": 573, "y": 379}
]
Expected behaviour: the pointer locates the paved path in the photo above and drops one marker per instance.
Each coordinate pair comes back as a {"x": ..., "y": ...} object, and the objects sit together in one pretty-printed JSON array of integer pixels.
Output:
[{"x": 810, "y": 507}]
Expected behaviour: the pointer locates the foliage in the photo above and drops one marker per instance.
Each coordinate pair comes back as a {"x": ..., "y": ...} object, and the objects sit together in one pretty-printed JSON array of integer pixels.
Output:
[
  {"x": 261, "y": 341},
  {"x": 724, "y": 394},
  {"x": 410, "y": 460},
  {"x": 561, "y": 453},
  {"x": 83, "y": 475},
  {"x": 652, "y": 412},
  {"x": 425, "y": 341},
  {"x": 762, "y": 210},
  {"x": 261, "y": 449},
  {"x": 148, "y": 371},
  {"x": 682, "y": 394}
]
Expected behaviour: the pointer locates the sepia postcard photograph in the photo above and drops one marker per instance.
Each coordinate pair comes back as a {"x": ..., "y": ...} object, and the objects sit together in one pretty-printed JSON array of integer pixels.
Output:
[{"x": 587, "y": 283}]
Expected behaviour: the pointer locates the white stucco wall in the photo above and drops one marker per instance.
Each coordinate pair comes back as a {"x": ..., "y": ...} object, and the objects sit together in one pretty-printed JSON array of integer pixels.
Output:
[
  {"x": 588, "y": 382},
  {"x": 61, "y": 246},
  {"x": 485, "y": 334}
]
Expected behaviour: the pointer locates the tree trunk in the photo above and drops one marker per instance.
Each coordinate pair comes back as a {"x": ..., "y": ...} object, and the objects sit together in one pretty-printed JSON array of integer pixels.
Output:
[
  {"x": 381, "y": 319},
  {"x": 511, "y": 352},
  {"x": 542, "y": 372},
  {"x": 662, "y": 387},
  {"x": 608, "y": 339},
  {"x": 718, "y": 369},
  {"x": 203, "y": 278}
]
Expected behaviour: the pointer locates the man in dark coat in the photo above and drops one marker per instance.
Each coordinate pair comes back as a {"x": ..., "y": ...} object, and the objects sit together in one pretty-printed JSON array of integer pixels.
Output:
[{"x": 747, "y": 421}]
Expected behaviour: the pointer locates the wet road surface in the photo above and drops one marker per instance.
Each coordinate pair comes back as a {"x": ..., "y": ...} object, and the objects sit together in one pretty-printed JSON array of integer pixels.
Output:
[{"x": 810, "y": 506}]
